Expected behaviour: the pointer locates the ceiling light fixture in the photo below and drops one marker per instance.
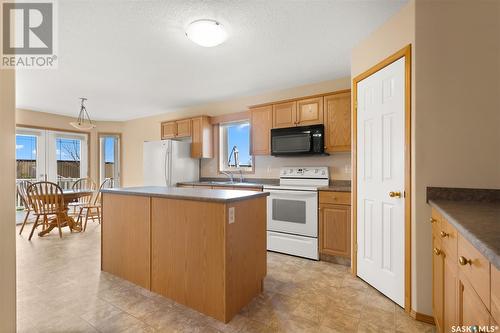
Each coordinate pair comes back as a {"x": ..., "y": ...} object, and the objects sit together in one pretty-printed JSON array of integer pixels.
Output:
[
  {"x": 207, "y": 33},
  {"x": 83, "y": 122}
]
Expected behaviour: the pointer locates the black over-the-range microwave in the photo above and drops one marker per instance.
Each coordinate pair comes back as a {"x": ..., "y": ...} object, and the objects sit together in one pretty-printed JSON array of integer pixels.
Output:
[{"x": 299, "y": 140}]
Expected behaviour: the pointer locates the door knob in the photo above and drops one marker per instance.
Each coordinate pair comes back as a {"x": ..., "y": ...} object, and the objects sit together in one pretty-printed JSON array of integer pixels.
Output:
[{"x": 395, "y": 194}]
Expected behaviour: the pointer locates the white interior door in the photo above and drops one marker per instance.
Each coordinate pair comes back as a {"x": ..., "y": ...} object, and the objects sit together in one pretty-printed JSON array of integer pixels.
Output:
[{"x": 380, "y": 170}]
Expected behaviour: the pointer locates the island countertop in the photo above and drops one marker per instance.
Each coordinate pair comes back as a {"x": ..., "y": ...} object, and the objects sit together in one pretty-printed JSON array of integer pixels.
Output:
[{"x": 183, "y": 193}]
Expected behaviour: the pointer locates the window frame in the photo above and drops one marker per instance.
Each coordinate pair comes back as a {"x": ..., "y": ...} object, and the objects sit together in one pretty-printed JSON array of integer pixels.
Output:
[{"x": 223, "y": 152}]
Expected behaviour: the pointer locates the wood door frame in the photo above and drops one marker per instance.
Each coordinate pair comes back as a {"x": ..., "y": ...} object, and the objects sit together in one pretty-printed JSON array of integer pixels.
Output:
[
  {"x": 406, "y": 53},
  {"x": 99, "y": 136}
]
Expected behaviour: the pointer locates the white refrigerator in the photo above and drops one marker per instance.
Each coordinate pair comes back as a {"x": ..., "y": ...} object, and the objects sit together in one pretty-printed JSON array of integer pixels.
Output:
[{"x": 169, "y": 162}]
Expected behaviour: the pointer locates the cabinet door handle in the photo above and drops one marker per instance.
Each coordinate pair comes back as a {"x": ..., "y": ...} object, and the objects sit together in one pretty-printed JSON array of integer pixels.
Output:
[
  {"x": 464, "y": 261},
  {"x": 437, "y": 251},
  {"x": 432, "y": 220},
  {"x": 444, "y": 234}
]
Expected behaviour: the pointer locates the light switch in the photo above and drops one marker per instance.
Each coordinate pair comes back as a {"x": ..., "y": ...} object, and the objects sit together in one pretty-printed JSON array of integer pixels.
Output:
[{"x": 231, "y": 215}]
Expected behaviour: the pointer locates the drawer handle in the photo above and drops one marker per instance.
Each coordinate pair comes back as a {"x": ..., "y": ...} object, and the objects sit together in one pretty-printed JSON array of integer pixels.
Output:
[
  {"x": 464, "y": 261},
  {"x": 437, "y": 251},
  {"x": 432, "y": 220},
  {"x": 444, "y": 234}
]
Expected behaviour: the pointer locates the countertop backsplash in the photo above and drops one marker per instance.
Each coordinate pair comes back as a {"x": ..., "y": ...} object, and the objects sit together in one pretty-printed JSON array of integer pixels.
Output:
[{"x": 268, "y": 167}]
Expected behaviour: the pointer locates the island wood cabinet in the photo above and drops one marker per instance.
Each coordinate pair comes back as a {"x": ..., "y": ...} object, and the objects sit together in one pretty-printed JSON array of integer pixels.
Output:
[
  {"x": 190, "y": 251},
  {"x": 465, "y": 285},
  {"x": 261, "y": 122},
  {"x": 335, "y": 223},
  {"x": 338, "y": 122},
  {"x": 333, "y": 110},
  {"x": 198, "y": 128}
]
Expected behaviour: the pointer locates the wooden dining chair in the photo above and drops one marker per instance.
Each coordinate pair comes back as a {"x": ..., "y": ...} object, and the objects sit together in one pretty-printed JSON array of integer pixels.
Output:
[
  {"x": 22, "y": 190},
  {"x": 82, "y": 184},
  {"x": 93, "y": 209},
  {"x": 47, "y": 201}
]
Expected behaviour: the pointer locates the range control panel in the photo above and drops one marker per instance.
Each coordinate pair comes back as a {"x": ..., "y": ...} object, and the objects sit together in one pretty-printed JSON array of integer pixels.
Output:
[{"x": 304, "y": 172}]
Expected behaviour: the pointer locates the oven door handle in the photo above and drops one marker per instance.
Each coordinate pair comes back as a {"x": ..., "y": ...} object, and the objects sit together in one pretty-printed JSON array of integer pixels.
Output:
[{"x": 294, "y": 193}]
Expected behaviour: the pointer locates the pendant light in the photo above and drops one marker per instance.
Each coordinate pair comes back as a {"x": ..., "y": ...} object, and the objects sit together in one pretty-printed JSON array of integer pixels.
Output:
[{"x": 83, "y": 122}]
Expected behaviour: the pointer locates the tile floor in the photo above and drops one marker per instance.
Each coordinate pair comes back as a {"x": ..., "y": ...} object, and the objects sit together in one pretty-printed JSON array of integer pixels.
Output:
[{"x": 61, "y": 289}]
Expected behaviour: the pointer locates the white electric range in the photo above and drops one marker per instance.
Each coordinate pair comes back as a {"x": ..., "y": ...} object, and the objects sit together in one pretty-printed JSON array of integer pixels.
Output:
[{"x": 292, "y": 211}]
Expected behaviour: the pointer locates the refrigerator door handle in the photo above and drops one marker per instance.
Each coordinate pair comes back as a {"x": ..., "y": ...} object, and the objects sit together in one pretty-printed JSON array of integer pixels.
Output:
[{"x": 165, "y": 169}]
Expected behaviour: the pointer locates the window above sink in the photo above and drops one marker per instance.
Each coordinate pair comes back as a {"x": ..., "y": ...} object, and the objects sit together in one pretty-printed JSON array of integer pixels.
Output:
[{"x": 234, "y": 147}]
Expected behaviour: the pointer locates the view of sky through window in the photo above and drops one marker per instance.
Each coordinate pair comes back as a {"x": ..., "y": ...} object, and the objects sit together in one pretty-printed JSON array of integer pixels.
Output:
[
  {"x": 109, "y": 150},
  {"x": 68, "y": 149},
  {"x": 239, "y": 135},
  {"x": 25, "y": 147}
]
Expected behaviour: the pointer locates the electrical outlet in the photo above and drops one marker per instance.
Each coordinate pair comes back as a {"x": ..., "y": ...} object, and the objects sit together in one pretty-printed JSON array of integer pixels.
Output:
[{"x": 231, "y": 215}]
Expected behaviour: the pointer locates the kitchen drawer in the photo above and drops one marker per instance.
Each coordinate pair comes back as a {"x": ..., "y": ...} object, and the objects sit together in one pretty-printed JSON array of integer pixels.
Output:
[
  {"x": 223, "y": 187},
  {"x": 436, "y": 221},
  {"x": 336, "y": 198},
  {"x": 476, "y": 268},
  {"x": 495, "y": 293},
  {"x": 185, "y": 185},
  {"x": 449, "y": 240}
]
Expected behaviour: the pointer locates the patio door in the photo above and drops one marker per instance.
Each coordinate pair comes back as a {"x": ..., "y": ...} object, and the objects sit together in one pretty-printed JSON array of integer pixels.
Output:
[
  {"x": 109, "y": 158},
  {"x": 56, "y": 156}
]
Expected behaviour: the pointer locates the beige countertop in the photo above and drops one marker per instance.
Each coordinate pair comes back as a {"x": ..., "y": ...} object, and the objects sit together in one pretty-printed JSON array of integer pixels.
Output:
[{"x": 183, "y": 193}]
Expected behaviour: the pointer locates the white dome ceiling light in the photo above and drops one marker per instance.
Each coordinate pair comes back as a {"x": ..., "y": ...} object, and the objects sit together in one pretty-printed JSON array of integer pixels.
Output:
[{"x": 205, "y": 32}]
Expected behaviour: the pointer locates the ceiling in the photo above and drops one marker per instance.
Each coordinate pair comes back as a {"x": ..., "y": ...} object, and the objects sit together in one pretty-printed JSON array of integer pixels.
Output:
[{"x": 131, "y": 58}]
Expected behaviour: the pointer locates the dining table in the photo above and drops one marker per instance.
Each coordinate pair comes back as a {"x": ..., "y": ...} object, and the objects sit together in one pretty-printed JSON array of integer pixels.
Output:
[{"x": 69, "y": 197}]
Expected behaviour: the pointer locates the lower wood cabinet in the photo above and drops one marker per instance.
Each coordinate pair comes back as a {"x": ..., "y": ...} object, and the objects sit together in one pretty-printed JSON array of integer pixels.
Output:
[
  {"x": 335, "y": 224},
  {"x": 464, "y": 285}
]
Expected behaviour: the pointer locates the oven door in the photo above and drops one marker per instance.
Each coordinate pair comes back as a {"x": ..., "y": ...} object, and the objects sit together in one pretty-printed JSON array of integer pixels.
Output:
[{"x": 293, "y": 212}]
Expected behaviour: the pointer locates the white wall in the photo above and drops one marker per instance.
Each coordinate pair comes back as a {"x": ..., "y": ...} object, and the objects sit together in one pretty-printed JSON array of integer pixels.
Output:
[{"x": 7, "y": 213}]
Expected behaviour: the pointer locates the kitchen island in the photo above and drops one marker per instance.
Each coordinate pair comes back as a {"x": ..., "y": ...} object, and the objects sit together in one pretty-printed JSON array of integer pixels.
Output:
[{"x": 202, "y": 248}]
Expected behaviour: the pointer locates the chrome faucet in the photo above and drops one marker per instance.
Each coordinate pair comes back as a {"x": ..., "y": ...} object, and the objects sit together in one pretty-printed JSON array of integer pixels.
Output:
[{"x": 229, "y": 175}]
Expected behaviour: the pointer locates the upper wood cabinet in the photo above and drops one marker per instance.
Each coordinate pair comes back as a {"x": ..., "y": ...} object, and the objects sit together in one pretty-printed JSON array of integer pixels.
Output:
[
  {"x": 198, "y": 128},
  {"x": 310, "y": 111},
  {"x": 284, "y": 114},
  {"x": 168, "y": 130},
  {"x": 202, "y": 138},
  {"x": 183, "y": 127},
  {"x": 338, "y": 122},
  {"x": 261, "y": 124}
]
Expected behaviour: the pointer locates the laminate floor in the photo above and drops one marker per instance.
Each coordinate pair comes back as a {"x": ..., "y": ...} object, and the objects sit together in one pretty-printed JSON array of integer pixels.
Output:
[{"x": 60, "y": 288}]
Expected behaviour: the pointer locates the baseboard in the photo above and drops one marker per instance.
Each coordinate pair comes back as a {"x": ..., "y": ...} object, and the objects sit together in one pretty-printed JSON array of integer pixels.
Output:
[
  {"x": 422, "y": 317},
  {"x": 335, "y": 259}
]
